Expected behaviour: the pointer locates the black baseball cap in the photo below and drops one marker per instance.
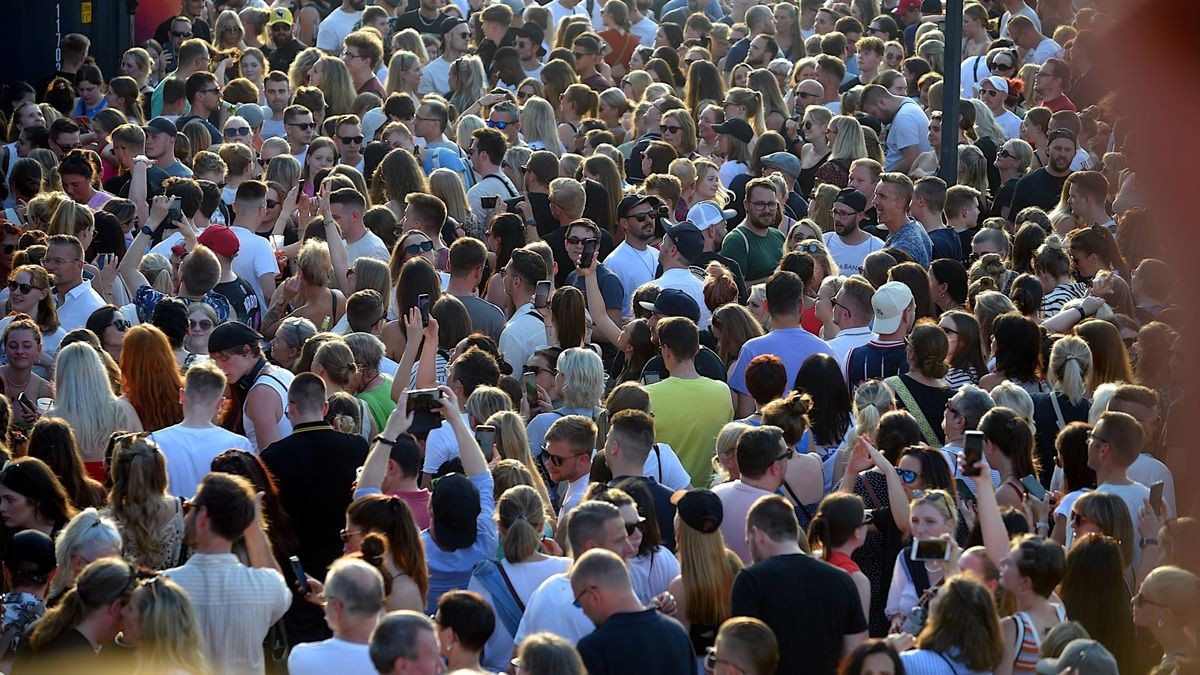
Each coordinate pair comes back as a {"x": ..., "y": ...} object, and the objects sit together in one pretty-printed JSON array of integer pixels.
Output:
[
  {"x": 30, "y": 554},
  {"x": 534, "y": 34},
  {"x": 231, "y": 334},
  {"x": 630, "y": 201},
  {"x": 688, "y": 239},
  {"x": 736, "y": 127},
  {"x": 852, "y": 198},
  {"x": 455, "y": 506},
  {"x": 700, "y": 509},
  {"x": 674, "y": 302}
]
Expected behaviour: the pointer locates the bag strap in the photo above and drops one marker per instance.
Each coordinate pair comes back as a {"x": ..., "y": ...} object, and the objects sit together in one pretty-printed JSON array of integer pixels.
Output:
[
  {"x": 948, "y": 664},
  {"x": 658, "y": 458},
  {"x": 1057, "y": 410},
  {"x": 508, "y": 582},
  {"x": 910, "y": 404}
]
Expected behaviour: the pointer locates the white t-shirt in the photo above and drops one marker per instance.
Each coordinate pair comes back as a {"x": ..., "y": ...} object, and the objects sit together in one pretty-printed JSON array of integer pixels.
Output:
[
  {"x": 848, "y": 339},
  {"x": 1010, "y": 123},
  {"x": 559, "y": 11},
  {"x": 672, "y": 474},
  {"x": 1064, "y": 509},
  {"x": 441, "y": 446},
  {"x": 435, "y": 77},
  {"x": 1147, "y": 470},
  {"x": 730, "y": 170},
  {"x": 1025, "y": 10},
  {"x": 1133, "y": 494},
  {"x": 1046, "y": 49},
  {"x": 687, "y": 282},
  {"x": 633, "y": 268},
  {"x": 189, "y": 453},
  {"x": 526, "y": 577},
  {"x": 909, "y": 127},
  {"x": 330, "y": 656},
  {"x": 273, "y": 129},
  {"x": 551, "y": 609},
  {"x": 334, "y": 29},
  {"x": 652, "y": 573},
  {"x": 492, "y": 184},
  {"x": 254, "y": 259},
  {"x": 850, "y": 258},
  {"x": 370, "y": 245},
  {"x": 645, "y": 30}
]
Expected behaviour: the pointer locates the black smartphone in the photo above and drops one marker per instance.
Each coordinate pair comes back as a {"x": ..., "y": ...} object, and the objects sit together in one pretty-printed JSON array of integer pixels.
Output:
[
  {"x": 301, "y": 579},
  {"x": 485, "y": 436},
  {"x": 25, "y": 402},
  {"x": 930, "y": 549},
  {"x": 488, "y": 201},
  {"x": 964, "y": 490},
  {"x": 530, "y": 380},
  {"x": 650, "y": 377},
  {"x": 972, "y": 452},
  {"x": 425, "y": 400},
  {"x": 542, "y": 294},
  {"x": 1156, "y": 495},
  {"x": 300, "y": 186},
  {"x": 1034, "y": 486},
  {"x": 423, "y": 305},
  {"x": 174, "y": 211},
  {"x": 589, "y": 253}
]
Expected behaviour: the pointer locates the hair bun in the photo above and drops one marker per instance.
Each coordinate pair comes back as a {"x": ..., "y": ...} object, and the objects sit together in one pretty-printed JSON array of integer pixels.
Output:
[{"x": 373, "y": 549}]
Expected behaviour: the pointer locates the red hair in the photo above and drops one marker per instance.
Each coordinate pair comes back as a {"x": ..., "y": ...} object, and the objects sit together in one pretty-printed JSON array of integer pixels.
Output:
[{"x": 151, "y": 381}]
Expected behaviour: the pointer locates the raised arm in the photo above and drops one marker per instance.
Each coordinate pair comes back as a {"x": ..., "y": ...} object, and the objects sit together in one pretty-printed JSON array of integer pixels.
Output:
[
  {"x": 338, "y": 255},
  {"x": 605, "y": 327},
  {"x": 138, "y": 188},
  {"x": 128, "y": 269},
  {"x": 897, "y": 498},
  {"x": 427, "y": 364},
  {"x": 991, "y": 526},
  {"x": 473, "y": 461},
  {"x": 258, "y": 547},
  {"x": 375, "y": 468},
  {"x": 412, "y": 345}
]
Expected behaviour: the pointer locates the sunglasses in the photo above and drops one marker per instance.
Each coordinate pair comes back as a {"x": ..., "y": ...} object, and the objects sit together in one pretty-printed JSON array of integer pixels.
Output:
[
  {"x": 121, "y": 325},
  {"x": 1004, "y": 153},
  {"x": 671, "y": 129},
  {"x": 202, "y": 324},
  {"x": 538, "y": 369},
  {"x": 990, "y": 92},
  {"x": 809, "y": 248},
  {"x": 346, "y": 534},
  {"x": 24, "y": 288},
  {"x": 576, "y": 241},
  {"x": 641, "y": 217},
  {"x": 303, "y": 125},
  {"x": 498, "y": 124},
  {"x": 237, "y": 131},
  {"x": 415, "y": 249},
  {"x": 787, "y": 455},
  {"x": 352, "y": 140},
  {"x": 555, "y": 459},
  {"x": 907, "y": 477},
  {"x": 271, "y": 203},
  {"x": 638, "y": 526},
  {"x": 1001, "y": 66}
]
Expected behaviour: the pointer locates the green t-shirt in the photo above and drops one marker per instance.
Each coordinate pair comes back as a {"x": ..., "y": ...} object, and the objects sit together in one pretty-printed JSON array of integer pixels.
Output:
[
  {"x": 688, "y": 415},
  {"x": 757, "y": 256},
  {"x": 379, "y": 402}
]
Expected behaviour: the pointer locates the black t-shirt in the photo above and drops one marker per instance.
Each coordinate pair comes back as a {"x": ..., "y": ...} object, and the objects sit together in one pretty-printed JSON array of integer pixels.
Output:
[
  {"x": 931, "y": 401},
  {"x": 242, "y": 300},
  {"x": 1039, "y": 189},
  {"x": 1046, "y": 423},
  {"x": 946, "y": 244},
  {"x": 200, "y": 30},
  {"x": 964, "y": 240},
  {"x": 664, "y": 510},
  {"x": 810, "y": 604},
  {"x": 281, "y": 58},
  {"x": 119, "y": 185},
  {"x": 638, "y": 642},
  {"x": 708, "y": 364}
]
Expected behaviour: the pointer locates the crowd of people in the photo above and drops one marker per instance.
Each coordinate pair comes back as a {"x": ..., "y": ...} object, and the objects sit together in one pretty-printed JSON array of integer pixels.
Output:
[{"x": 598, "y": 336}]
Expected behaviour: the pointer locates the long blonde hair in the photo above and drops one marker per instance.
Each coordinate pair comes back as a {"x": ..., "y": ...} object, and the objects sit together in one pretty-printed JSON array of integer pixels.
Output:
[
  {"x": 85, "y": 397},
  {"x": 448, "y": 186},
  {"x": 848, "y": 142},
  {"x": 708, "y": 569},
  {"x": 337, "y": 86},
  {"x": 872, "y": 399},
  {"x": 139, "y": 477},
  {"x": 764, "y": 82},
  {"x": 752, "y": 101},
  {"x": 539, "y": 123},
  {"x": 512, "y": 443},
  {"x": 171, "y": 639}
]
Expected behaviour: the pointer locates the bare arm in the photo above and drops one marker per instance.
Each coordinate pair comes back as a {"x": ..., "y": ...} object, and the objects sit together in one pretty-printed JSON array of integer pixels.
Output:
[
  {"x": 375, "y": 468},
  {"x": 128, "y": 267},
  {"x": 907, "y": 157},
  {"x": 427, "y": 364},
  {"x": 473, "y": 461},
  {"x": 897, "y": 499},
  {"x": 258, "y": 547},
  {"x": 991, "y": 526},
  {"x": 264, "y": 409},
  {"x": 605, "y": 326},
  {"x": 412, "y": 342},
  {"x": 278, "y": 310},
  {"x": 338, "y": 255},
  {"x": 138, "y": 189}
]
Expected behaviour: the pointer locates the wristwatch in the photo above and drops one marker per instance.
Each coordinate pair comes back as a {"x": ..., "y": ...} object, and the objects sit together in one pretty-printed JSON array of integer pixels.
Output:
[
  {"x": 386, "y": 441},
  {"x": 1147, "y": 542},
  {"x": 147, "y": 231}
]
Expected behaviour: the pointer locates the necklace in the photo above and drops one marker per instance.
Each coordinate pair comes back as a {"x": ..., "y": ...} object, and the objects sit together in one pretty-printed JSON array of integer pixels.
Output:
[
  {"x": 18, "y": 385},
  {"x": 937, "y": 567}
]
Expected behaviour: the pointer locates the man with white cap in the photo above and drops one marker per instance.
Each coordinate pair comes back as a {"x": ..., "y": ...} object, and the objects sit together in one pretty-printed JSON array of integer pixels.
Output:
[
  {"x": 895, "y": 312},
  {"x": 993, "y": 89},
  {"x": 713, "y": 223},
  {"x": 787, "y": 165}
]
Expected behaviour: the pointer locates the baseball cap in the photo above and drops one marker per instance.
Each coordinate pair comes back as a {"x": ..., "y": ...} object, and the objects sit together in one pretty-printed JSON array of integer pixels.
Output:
[
  {"x": 534, "y": 34},
  {"x": 784, "y": 161},
  {"x": 852, "y": 198},
  {"x": 906, "y": 6},
  {"x": 674, "y": 302},
  {"x": 372, "y": 121},
  {"x": 252, "y": 113},
  {"x": 705, "y": 214},
  {"x": 688, "y": 239},
  {"x": 30, "y": 554},
  {"x": 231, "y": 334},
  {"x": 630, "y": 201},
  {"x": 700, "y": 509},
  {"x": 888, "y": 303},
  {"x": 280, "y": 15},
  {"x": 221, "y": 240},
  {"x": 455, "y": 505},
  {"x": 998, "y": 83},
  {"x": 736, "y": 127},
  {"x": 161, "y": 125},
  {"x": 1085, "y": 656}
]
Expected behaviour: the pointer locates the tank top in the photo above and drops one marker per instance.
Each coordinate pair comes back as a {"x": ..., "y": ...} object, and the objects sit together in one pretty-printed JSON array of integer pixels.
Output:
[
  {"x": 279, "y": 380},
  {"x": 1028, "y": 642}
]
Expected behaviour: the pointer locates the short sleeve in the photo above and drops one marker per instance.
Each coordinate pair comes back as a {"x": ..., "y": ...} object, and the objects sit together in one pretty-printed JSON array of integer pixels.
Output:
[
  {"x": 906, "y": 131},
  {"x": 613, "y": 292},
  {"x": 737, "y": 378}
]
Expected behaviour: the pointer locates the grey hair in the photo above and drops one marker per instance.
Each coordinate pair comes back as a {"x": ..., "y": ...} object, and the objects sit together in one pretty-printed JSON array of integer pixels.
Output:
[
  {"x": 367, "y": 349},
  {"x": 583, "y": 377},
  {"x": 357, "y": 585},
  {"x": 395, "y": 637},
  {"x": 87, "y": 535},
  {"x": 973, "y": 403},
  {"x": 296, "y": 330}
]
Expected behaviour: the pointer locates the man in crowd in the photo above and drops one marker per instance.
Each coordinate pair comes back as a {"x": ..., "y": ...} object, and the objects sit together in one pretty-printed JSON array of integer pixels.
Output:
[
  {"x": 1087, "y": 198},
  {"x": 284, "y": 45},
  {"x": 894, "y": 314},
  {"x": 363, "y": 54},
  {"x": 1050, "y": 82},
  {"x": 487, "y": 152},
  {"x": 299, "y": 129},
  {"x": 760, "y": 21},
  {"x": 963, "y": 412},
  {"x": 762, "y": 459},
  {"x": 353, "y": 600},
  {"x": 583, "y": 233},
  {"x": 427, "y": 19},
  {"x": 435, "y": 77},
  {"x": 347, "y": 206},
  {"x": 340, "y": 23},
  {"x": 747, "y": 644},
  {"x": 1043, "y": 187},
  {"x": 962, "y": 215},
  {"x": 468, "y": 257},
  {"x": 1114, "y": 444},
  {"x": 525, "y": 330},
  {"x": 847, "y": 243},
  {"x": 440, "y": 152},
  {"x": 893, "y": 197},
  {"x": 852, "y": 314},
  {"x": 405, "y": 642},
  {"x": 757, "y": 244},
  {"x": 713, "y": 221},
  {"x": 627, "y": 451},
  {"x": 908, "y": 127},
  {"x": 633, "y": 261},
  {"x": 1034, "y": 46},
  {"x": 570, "y": 441},
  {"x": 928, "y": 201},
  {"x": 348, "y": 139},
  {"x": 74, "y": 295},
  {"x": 812, "y": 606}
]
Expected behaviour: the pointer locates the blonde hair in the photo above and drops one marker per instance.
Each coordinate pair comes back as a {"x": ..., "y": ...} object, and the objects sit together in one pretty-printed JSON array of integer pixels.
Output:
[
  {"x": 752, "y": 101},
  {"x": 314, "y": 263},
  {"x": 512, "y": 444},
  {"x": 85, "y": 397},
  {"x": 848, "y": 143},
  {"x": 87, "y": 535},
  {"x": 447, "y": 185},
  {"x": 640, "y": 80},
  {"x": 139, "y": 483},
  {"x": 336, "y": 361},
  {"x": 872, "y": 399},
  {"x": 521, "y": 513},
  {"x": 939, "y": 500},
  {"x": 538, "y": 123},
  {"x": 1070, "y": 363},
  {"x": 171, "y": 640}
]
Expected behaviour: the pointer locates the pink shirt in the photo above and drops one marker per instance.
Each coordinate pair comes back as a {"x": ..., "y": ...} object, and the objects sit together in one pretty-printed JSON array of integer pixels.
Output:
[
  {"x": 418, "y": 503},
  {"x": 737, "y": 498}
]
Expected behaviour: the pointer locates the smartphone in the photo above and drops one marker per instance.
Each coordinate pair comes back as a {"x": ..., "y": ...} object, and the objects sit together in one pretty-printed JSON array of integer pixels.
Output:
[
  {"x": 84, "y": 122},
  {"x": 964, "y": 490},
  {"x": 589, "y": 253},
  {"x": 530, "y": 380},
  {"x": 485, "y": 436},
  {"x": 930, "y": 549},
  {"x": 650, "y": 377},
  {"x": 1156, "y": 495},
  {"x": 1034, "y": 486},
  {"x": 300, "y": 186},
  {"x": 542, "y": 295},
  {"x": 175, "y": 210},
  {"x": 972, "y": 452},
  {"x": 488, "y": 201},
  {"x": 25, "y": 402},
  {"x": 425, "y": 400},
  {"x": 423, "y": 305},
  {"x": 301, "y": 579}
]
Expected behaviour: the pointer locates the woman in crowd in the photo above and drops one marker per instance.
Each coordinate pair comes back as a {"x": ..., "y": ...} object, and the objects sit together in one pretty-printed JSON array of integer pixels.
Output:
[
  {"x": 87, "y": 537},
  {"x": 820, "y": 378},
  {"x": 803, "y": 481},
  {"x": 706, "y": 569},
  {"x": 548, "y": 654},
  {"x": 151, "y": 521},
  {"x": 521, "y": 517},
  {"x": 308, "y": 292},
  {"x": 23, "y": 351},
  {"x": 1165, "y": 605},
  {"x": 933, "y": 516},
  {"x": 837, "y": 531},
  {"x": 1095, "y": 594},
  {"x": 963, "y": 348},
  {"x": 923, "y": 391},
  {"x": 84, "y": 622},
  {"x": 391, "y": 518},
  {"x": 109, "y": 324},
  {"x": 1008, "y": 447},
  {"x": 464, "y": 624},
  {"x": 85, "y": 400},
  {"x": 1077, "y": 477},
  {"x": 53, "y": 442},
  {"x": 151, "y": 382},
  {"x": 29, "y": 294},
  {"x": 1110, "y": 360},
  {"x": 160, "y": 623},
  {"x": 653, "y": 565},
  {"x": 1067, "y": 401},
  {"x": 580, "y": 378},
  {"x": 31, "y": 497},
  {"x": 285, "y": 347},
  {"x": 962, "y": 632},
  {"x": 1016, "y": 344}
]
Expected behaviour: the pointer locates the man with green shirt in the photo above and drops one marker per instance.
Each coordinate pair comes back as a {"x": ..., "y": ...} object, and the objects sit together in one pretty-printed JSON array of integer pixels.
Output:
[
  {"x": 757, "y": 244},
  {"x": 689, "y": 410}
]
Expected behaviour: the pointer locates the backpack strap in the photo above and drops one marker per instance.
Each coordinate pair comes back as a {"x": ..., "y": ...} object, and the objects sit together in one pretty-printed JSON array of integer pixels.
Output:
[
  {"x": 910, "y": 404},
  {"x": 658, "y": 458}
]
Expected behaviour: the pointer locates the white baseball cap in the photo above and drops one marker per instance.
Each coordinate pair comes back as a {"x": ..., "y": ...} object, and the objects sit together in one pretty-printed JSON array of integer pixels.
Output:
[
  {"x": 888, "y": 304},
  {"x": 707, "y": 213}
]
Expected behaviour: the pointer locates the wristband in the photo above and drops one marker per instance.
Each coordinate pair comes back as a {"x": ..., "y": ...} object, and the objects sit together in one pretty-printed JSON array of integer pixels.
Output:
[
  {"x": 1147, "y": 542},
  {"x": 1082, "y": 314},
  {"x": 380, "y": 439}
]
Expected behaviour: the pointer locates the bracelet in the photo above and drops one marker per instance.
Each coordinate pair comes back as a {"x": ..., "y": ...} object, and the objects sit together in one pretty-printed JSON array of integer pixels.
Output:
[
  {"x": 380, "y": 439},
  {"x": 1147, "y": 542},
  {"x": 1082, "y": 314}
]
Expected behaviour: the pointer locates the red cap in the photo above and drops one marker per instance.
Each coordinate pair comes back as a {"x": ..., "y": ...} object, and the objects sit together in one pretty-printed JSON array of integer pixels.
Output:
[
  {"x": 906, "y": 6},
  {"x": 221, "y": 240}
]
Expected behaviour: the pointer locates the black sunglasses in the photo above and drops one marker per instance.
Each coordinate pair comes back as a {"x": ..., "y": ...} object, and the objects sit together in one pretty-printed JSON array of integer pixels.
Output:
[
  {"x": 352, "y": 140},
  {"x": 414, "y": 249},
  {"x": 24, "y": 288},
  {"x": 639, "y": 526}
]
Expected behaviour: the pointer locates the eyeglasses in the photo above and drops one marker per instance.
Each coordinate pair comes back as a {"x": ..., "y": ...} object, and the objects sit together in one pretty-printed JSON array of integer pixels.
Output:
[
  {"x": 637, "y": 526},
  {"x": 415, "y": 249},
  {"x": 950, "y": 331},
  {"x": 787, "y": 455},
  {"x": 303, "y": 125},
  {"x": 711, "y": 659},
  {"x": 989, "y": 92},
  {"x": 576, "y": 241},
  {"x": 202, "y": 324},
  {"x": 538, "y": 369},
  {"x": 906, "y": 476},
  {"x": 1093, "y": 436},
  {"x": 580, "y": 596},
  {"x": 237, "y": 131},
  {"x": 347, "y": 54},
  {"x": 346, "y": 534},
  {"x": 25, "y": 289},
  {"x": 352, "y": 140},
  {"x": 952, "y": 410},
  {"x": 671, "y": 129},
  {"x": 764, "y": 206},
  {"x": 498, "y": 124},
  {"x": 1000, "y": 66},
  {"x": 1140, "y": 599},
  {"x": 844, "y": 214}
]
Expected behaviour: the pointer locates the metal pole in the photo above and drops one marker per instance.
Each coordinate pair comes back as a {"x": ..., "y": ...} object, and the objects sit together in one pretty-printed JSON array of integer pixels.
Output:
[{"x": 951, "y": 91}]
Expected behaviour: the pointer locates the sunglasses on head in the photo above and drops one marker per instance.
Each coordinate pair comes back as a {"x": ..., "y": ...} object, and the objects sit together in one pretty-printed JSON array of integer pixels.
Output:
[
  {"x": 24, "y": 288},
  {"x": 423, "y": 247}
]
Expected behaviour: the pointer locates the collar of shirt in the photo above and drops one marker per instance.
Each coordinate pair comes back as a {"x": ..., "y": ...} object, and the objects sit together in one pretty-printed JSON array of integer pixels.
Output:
[{"x": 79, "y": 290}]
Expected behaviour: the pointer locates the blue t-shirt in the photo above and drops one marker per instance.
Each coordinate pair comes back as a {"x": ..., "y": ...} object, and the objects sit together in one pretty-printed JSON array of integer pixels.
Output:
[
  {"x": 946, "y": 244},
  {"x": 610, "y": 286},
  {"x": 147, "y": 298},
  {"x": 875, "y": 360},
  {"x": 913, "y": 240},
  {"x": 791, "y": 345}
]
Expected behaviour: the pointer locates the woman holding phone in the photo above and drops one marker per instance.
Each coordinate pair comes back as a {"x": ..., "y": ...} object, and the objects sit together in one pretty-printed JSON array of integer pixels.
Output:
[{"x": 930, "y": 558}]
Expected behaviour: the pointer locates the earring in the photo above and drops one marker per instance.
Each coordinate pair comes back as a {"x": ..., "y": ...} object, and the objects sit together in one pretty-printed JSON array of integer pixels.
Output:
[{"x": 1160, "y": 623}]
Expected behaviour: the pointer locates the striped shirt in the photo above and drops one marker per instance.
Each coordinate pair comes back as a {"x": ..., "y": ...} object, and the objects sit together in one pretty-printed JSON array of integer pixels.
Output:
[{"x": 1060, "y": 295}]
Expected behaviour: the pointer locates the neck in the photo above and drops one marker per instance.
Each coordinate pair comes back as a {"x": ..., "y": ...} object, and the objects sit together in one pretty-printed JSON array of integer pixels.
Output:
[
  {"x": 199, "y": 418},
  {"x": 200, "y": 111},
  {"x": 356, "y": 629},
  {"x": 620, "y": 467},
  {"x": 450, "y": 54},
  {"x": 461, "y": 659},
  {"x": 785, "y": 321},
  {"x": 779, "y": 548},
  {"x": 684, "y": 370},
  {"x": 626, "y": 604},
  {"x": 522, "y": 300},
  {"x": 763, "y": 482},
  {"x": 868, "y": 75},
  {"x": 64, "y": 287},
  {"x": 1032, "y": 602},
  {"x": 96, "y": 628},
  {"x": 819, "y": 143},
  {"x": 406, "y": 484},
  {"x": 1173, "y": 638},
  {"x": 959, "y": 225},
  {"x": 954, "y": 437},
  {"x": 431, "y": 14},
  {"x": 854, "y": 236},
  {"x": 461, "y": 286},
  {"x": 928, "y": 220},
  {"x": 922, "y": 377},
  {"x": 213, "y": 545},
  {"x": 1111, "y": 474},
  {"x": 635, "y": 242},
  {"x": 894, "y": 224}
]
